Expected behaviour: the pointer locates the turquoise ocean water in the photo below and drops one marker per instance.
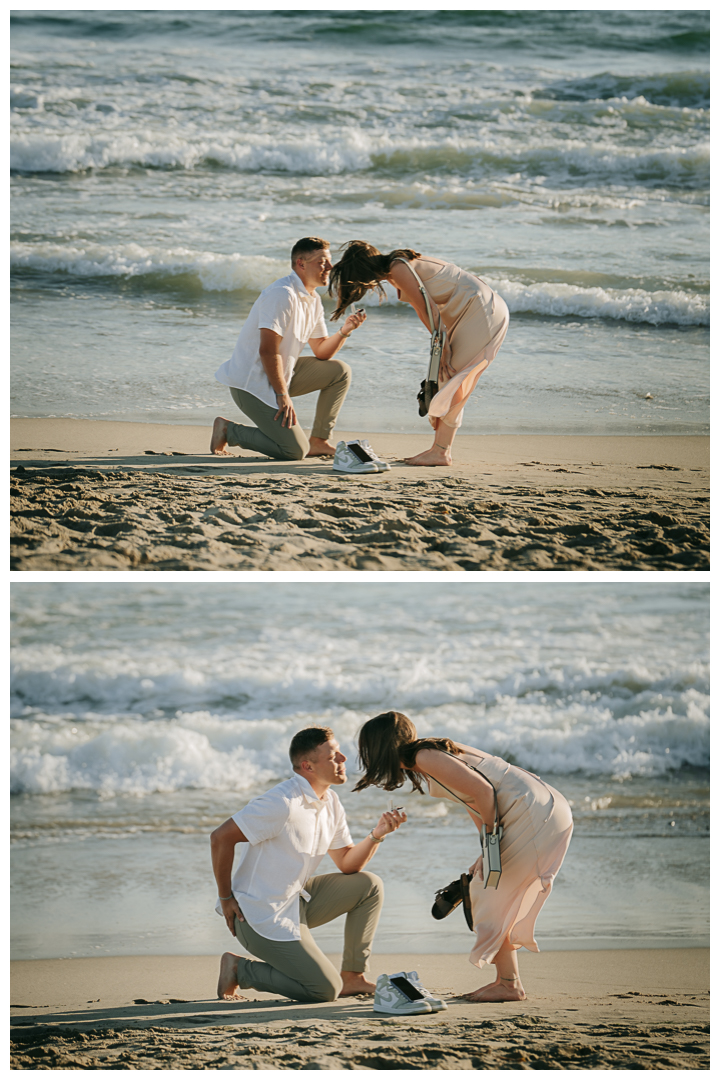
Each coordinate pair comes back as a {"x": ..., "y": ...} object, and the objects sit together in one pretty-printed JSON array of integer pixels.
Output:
[
  {"x": 164, "y": 162},
  {"x": 143, "y": 716}
]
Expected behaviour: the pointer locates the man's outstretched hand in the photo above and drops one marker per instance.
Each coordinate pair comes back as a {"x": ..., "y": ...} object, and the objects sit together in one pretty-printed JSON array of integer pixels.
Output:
[
  {"x": 353, "y": 321},
  {"x": 389, "y": 822},
  {"x": 231, "y": 911}
]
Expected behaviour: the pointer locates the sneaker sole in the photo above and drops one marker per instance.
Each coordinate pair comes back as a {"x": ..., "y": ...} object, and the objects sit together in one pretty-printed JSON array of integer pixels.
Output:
[
  {"x": 354, "y": 472},
  {"x": 403, "y": 1012}
]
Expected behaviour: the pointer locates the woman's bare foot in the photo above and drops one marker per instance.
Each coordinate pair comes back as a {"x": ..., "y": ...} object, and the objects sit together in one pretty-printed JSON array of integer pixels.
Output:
[
  {"x": 218, "y": 439},
  {"x": 500, "y": 990},
  {"x": 320, "y": 448},
  {"x": 436, "y": 455},
  {"x": 227, "y": 982},
  {"x": 354, "y": 982}
]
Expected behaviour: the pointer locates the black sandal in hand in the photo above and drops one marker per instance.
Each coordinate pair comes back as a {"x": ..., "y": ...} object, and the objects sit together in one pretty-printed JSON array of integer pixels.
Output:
[{"x": 454, "y": 894}]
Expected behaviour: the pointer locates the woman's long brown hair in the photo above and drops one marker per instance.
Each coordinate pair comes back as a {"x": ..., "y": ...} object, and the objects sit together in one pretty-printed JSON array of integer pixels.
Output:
[
  {"x": 360, "y": 269},
  {"x": 385, "y": 744}
]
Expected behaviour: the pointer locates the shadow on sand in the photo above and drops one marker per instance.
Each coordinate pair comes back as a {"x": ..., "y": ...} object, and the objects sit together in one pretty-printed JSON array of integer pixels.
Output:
[{"x": 187, "y": 1014}]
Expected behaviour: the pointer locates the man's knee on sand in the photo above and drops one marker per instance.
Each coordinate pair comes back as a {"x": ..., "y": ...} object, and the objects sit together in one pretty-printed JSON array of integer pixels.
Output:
[
  {"x": 296, "y": 448},
  {"x": 326, "y": 989},
  {"x": 294, "y": 453}
]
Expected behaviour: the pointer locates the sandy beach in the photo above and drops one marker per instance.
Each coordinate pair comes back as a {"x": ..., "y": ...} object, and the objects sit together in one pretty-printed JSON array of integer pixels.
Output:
[
  {"x": 101, "y": 495},
  {"x": 636, "y": 1009}
]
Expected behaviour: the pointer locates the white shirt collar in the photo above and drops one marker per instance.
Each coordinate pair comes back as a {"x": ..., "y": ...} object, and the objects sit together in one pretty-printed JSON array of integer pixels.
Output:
[
  {"x": 309, "y": 794},
  {"x": 299, "y": 284}
]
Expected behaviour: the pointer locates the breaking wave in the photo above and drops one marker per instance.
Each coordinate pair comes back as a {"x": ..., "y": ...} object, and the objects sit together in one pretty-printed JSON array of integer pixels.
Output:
[
  {"x": 204, "y": 270},
  {"x": 561, "y": 162}
]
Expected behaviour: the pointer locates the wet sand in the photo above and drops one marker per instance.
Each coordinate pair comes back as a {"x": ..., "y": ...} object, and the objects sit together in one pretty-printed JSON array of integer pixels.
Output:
[
  {"x": 96, "y": 495},
  {"x": 629, "y": 1009}
]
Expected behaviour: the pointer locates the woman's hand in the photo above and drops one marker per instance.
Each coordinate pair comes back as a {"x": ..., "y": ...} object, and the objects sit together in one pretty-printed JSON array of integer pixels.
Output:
[
  {"x": 477, "y": 867},
  {"x": 353, "y": 321},
  {"x": 446, "y": 370},
  {"x": 389, "y": 822},
  {"x": 231, "y": 911}
]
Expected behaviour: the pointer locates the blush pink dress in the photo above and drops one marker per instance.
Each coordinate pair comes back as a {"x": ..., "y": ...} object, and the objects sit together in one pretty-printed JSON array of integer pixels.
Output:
[
  {"x": 537, "y": 826},
  {"x": 476, "y": 319}
]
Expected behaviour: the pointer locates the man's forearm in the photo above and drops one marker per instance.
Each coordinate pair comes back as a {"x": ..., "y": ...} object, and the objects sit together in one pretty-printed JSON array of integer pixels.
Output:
[
  {"x": 331, "y": 345},
  {"x": 223, "y": 855},
  {"x": 359, "y": 856},
  {"x": 273, "y": 364}
]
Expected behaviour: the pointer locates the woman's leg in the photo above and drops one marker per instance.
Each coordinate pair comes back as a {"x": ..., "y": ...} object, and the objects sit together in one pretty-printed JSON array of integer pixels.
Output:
[
  {"x": 507, "y": 985},
  {"x": 440, "y": 452}
]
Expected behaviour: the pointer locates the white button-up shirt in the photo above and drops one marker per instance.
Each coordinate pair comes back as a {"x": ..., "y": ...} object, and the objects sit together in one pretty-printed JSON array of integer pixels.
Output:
[
  {"x": 287, "y": 308},
  {"x": 289, "y": 830}
]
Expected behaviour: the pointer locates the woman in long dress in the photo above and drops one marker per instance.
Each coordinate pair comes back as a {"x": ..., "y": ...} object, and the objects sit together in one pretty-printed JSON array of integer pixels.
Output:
[
  {"x": 536, "y": 821},
  {"x": 473, "y": 315}
]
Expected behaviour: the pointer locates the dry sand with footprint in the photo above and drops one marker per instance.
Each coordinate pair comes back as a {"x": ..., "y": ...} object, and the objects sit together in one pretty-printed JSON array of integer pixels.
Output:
[
  {"x": 609, "y": 1009},
  {"x": 90, "y": 495}
]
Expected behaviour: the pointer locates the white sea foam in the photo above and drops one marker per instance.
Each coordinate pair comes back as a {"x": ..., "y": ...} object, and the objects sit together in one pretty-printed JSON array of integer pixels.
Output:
[
  {"x": 229, "y": 273},
  {"x": 137, "y": 724},
  {"x": 633, "y": 305},
  {"x": 215, "y": 272},
  {"x": 600, "y": 161}
]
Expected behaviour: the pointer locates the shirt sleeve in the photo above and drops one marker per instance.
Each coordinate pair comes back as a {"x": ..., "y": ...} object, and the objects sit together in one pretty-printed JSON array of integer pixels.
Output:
[
  {"x": 263, "y": 817},
  {"x": 320, "y": 328},
  {"x": 342, "y": 837},
  {"x": 275, "y": 310}
]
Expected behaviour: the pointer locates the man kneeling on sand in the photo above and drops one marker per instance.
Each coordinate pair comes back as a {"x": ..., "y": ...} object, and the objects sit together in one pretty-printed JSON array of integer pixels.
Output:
[
  {"x": 266, "y": 371},
  {"x": 272, "y": 900}
]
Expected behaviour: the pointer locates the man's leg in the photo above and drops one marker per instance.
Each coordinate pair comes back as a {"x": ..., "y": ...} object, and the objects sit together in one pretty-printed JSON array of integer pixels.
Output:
[
  {"x": 332, "y": 378},
  {"x": 360, "y": 896},
  {"x": 295, "y": 969},
  {"x": 268, "y": 437}
]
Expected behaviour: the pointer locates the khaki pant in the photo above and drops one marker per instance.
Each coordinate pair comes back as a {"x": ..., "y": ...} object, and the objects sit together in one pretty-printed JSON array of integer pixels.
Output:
[
  {"x": 330, "y": 377},
  {"x": 299, "y": 969}
]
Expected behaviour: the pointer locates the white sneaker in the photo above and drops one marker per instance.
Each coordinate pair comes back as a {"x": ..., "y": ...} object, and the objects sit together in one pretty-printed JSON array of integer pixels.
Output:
[
  {"x": 390, "y": 999},
  {"x": 382, "y": 465},
  {"x": 353, "y": 459},
  {"x": 436, "y": 1003}
]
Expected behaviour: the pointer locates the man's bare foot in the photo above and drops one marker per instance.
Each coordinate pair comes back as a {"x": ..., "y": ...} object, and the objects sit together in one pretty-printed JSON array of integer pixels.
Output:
[
  {"x": 227, "y": 983},
  {"x": 498, "y": 991},
  {"x": 354, "y": 982},
  {"x": 436, "y": 455},
  {"x": 218, "y": 439},
  {"x": 320, "y": 448}
]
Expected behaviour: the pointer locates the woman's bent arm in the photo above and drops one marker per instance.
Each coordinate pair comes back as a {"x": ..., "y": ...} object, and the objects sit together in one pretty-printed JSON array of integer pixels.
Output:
[
  {"x": 402, "y": 277},
  {"x": 474, "y": 790}
]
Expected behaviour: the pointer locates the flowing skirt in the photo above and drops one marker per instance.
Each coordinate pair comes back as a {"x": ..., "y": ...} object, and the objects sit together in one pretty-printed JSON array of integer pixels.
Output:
[
  {"x": 475, "y": 341},
  {"x": 537, "y": 831}
]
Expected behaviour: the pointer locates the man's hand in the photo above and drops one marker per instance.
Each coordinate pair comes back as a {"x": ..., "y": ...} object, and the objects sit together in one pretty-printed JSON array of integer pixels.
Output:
[
  {"x": 231, "y": 911},
  {"x": 353, "y": 321},
  {"x": 389, "y": 822},
  {"x": 286, "y": 410}
]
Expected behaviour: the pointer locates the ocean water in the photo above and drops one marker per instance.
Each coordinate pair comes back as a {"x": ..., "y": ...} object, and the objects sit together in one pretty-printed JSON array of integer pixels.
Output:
[
  {"x": 142, "y": 716},
  {"x": 163, "y": 164}
]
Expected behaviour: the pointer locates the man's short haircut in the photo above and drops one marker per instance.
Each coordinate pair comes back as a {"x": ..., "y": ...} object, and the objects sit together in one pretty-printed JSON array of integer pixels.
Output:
[
  {"x": 306, "y": 246},
  {"x": 307, "y": 740}
]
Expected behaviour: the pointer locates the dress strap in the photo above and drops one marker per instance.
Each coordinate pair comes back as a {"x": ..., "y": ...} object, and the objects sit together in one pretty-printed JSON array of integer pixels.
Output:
[
  {"x": 457, "y": 798},
  {"x": 431, "y": 317}
]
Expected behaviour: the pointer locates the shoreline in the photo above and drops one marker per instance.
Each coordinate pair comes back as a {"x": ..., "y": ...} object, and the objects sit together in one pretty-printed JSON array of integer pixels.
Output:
[
  {"x": 114, "y": 495},
  {"x": 644, "y": 1008},
  {"x": 90, "y": 438}
]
